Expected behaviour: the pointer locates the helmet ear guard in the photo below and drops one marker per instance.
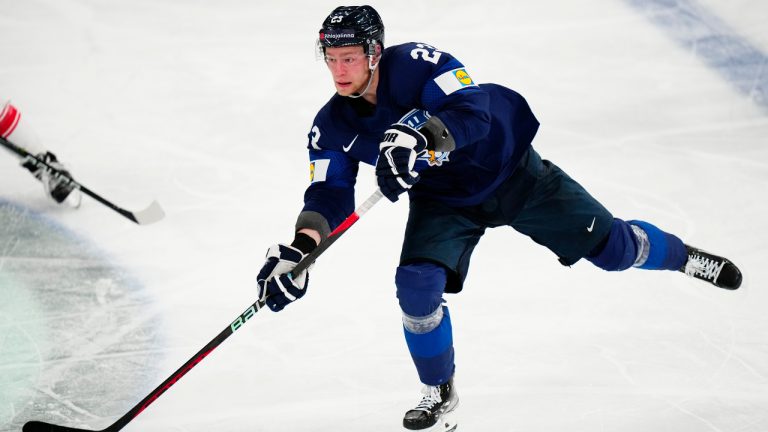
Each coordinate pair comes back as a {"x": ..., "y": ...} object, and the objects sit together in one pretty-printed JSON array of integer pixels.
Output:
[{"x": 372, "y": 47}]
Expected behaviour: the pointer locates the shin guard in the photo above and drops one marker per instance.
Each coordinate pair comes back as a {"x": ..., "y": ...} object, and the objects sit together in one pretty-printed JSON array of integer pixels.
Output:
[
  {"x": 426, "y": 322},
  {"x": 666, "y": 251},
  {"x": 639, "y": 244}
]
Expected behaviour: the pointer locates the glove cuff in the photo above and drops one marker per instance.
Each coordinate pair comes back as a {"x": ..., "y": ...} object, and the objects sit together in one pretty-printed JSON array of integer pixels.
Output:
[
  {"x": 284, "y": 252},
  {"x": 304, "y": 243}
]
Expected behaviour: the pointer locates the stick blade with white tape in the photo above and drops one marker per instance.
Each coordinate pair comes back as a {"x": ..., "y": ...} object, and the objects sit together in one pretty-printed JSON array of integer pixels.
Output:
[{"x": 153, "y": 213}]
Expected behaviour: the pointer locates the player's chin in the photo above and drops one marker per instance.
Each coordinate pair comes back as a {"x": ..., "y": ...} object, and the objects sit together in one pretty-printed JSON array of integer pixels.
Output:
[{"x": 345, "y": 89}]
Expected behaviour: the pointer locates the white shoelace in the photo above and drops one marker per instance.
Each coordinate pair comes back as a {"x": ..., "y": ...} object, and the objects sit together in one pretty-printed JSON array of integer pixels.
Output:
[
  {"x": 430, "y": 399},
  {"x": 706, "y": 268}
]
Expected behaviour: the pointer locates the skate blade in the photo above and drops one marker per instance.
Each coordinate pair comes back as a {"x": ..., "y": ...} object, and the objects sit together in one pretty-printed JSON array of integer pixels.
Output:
[{"x": 447, "y": 423}]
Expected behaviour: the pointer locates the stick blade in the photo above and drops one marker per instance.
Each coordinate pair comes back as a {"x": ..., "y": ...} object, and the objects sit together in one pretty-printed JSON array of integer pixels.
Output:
[
  {"x": 38, "y": 426},
  {"x": 149, "y": 215}
]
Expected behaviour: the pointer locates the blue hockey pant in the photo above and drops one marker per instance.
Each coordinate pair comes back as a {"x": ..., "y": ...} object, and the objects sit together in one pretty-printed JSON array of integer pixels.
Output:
[{"x": 538, "y": 200}]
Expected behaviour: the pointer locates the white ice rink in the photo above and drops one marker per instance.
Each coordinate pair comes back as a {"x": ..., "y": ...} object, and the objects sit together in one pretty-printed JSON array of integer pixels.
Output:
[{"x": 659, "y": 107}]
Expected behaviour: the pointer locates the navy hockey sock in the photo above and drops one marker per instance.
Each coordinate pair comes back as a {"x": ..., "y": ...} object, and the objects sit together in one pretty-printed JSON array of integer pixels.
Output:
[
  {"x": 640, "y": 244},
  {"x": 667, "y": 252},
  {"x": 426, "y": 322},
  {"x": 432, "y": 352}
]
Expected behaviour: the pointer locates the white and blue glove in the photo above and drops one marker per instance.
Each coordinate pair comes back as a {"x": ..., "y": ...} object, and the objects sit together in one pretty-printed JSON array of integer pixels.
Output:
[
  {"x": 398, "y": 151},
  {"x": 276, "y": 286}
]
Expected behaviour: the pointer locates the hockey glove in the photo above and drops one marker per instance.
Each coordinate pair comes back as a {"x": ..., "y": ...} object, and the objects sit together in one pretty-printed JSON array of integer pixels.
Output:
[
  {"x": 275, "y": 285},
  {"x": 55, "y": 183},
  {"x": 397, "y": 156}
]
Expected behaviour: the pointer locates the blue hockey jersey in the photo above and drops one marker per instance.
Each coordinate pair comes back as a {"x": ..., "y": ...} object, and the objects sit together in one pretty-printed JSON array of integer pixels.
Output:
[{"x": 492, "y": 127}]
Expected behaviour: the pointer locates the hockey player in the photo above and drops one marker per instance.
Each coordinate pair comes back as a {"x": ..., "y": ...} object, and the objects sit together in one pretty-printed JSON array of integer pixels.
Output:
[
  {"x": 462, "y": 151},
  {"x": 20, "y": 134}
]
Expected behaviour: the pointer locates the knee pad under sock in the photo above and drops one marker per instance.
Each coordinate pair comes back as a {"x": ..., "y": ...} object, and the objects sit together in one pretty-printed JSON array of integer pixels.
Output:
[{"x": 620, "y": 249}]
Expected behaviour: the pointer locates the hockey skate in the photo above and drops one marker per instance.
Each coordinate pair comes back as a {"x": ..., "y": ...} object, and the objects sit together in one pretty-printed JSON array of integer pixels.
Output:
[
  {"x": 55, "y": 184},
  {"x": 716, "y": 270},
  {"x": 435, "y": 412}
]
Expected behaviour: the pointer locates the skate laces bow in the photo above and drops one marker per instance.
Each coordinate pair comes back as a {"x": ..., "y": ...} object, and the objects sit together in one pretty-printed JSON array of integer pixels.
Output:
[
  {"x": 430, "y": 399},
  {"x": 704, "y": 267}
]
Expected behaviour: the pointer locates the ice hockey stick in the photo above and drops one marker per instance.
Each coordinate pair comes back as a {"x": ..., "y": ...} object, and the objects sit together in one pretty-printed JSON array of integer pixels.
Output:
[{"x": 151, "y": 214}]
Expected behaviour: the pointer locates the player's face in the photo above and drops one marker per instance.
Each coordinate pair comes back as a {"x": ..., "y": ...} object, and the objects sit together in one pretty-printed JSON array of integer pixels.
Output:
[{"x": 349, "y": 69}]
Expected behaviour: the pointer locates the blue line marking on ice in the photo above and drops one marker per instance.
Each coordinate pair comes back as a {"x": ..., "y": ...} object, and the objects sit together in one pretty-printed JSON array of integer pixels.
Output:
[{"x": 709, "y": 38}]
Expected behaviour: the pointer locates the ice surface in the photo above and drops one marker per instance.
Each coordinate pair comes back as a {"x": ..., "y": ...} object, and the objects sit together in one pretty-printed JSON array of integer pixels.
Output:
[
  {"x": 74, "y": 326},
  {"x": 205, "y": 106}
]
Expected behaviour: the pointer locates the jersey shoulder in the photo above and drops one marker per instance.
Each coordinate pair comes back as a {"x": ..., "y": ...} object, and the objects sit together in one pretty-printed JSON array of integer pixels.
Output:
[
  {"x": 421, "y": 75},
  {"x": 415, "y": 56}
]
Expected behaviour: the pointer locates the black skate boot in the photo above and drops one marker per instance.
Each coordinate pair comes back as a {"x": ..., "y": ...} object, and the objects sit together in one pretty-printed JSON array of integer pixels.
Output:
[
  {"x": 55, "y": 184},
  {"x": 711, "y": 268},
  {"x": 433, "y": 413}
]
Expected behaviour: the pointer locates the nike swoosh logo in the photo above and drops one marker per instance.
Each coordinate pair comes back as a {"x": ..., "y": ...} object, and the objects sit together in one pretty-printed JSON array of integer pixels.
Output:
[
  {"x": 346, "y": 148},
  {"x": 591, "y": 227}
]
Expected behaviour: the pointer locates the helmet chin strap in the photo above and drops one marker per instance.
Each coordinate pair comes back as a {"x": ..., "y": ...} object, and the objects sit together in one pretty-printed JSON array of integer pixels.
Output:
[{"x": 371, "y": 68}]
